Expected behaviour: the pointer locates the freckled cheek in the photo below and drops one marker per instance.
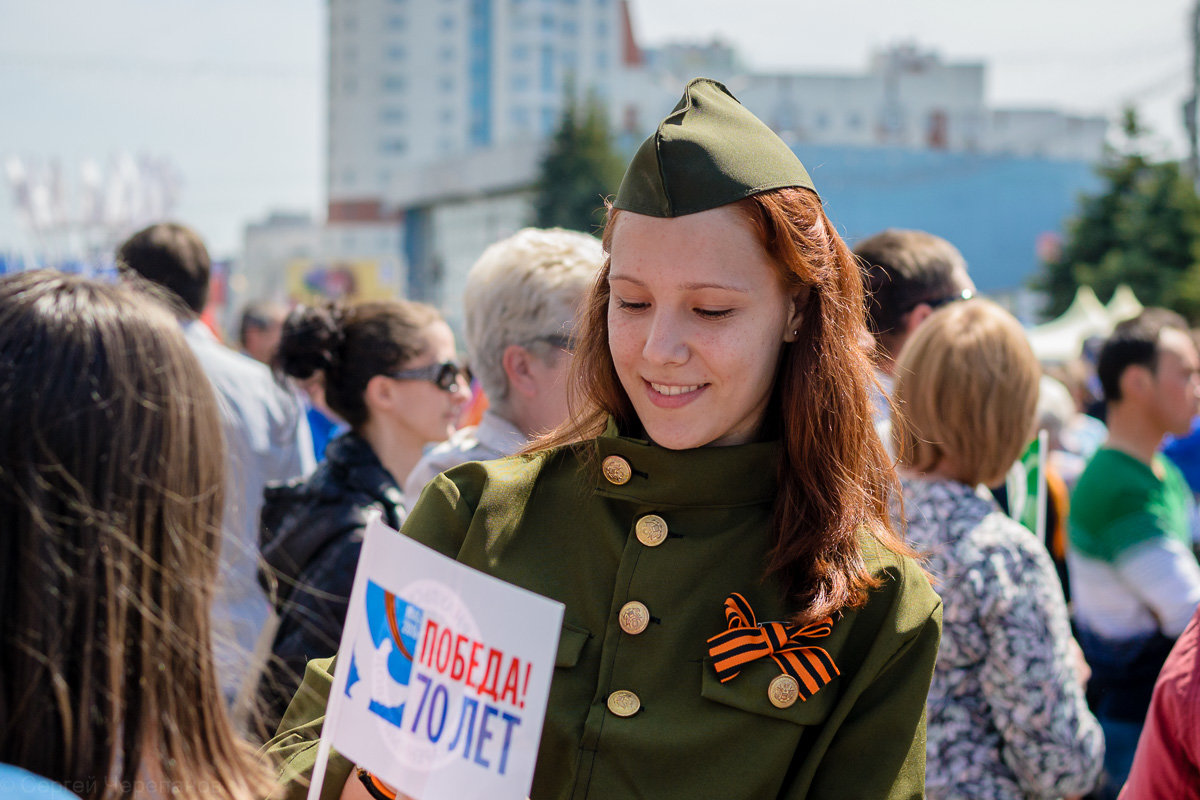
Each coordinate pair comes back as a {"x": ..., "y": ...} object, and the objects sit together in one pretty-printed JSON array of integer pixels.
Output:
[{"x": 624, "y": 340}]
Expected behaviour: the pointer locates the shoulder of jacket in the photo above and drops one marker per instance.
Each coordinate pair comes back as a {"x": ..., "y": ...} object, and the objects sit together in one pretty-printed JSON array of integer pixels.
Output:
[
  {"x": 904, "y": 583},
  {"x": 501, "y": 474}
]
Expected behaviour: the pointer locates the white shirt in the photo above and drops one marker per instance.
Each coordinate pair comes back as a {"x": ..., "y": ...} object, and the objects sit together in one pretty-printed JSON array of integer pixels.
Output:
[
  {"x": 267, "y": 439},
  {"x": 493, "y": 437}
]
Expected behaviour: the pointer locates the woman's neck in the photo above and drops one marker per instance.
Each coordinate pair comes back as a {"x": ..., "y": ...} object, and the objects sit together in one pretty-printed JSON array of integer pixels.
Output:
[{"x": 397, "y": 450}]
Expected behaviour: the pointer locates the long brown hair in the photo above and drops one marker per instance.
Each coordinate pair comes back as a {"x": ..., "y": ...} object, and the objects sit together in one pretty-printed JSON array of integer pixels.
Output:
[
  {"x": 111, "y": 475},
  {"x": 835, "y": 477}
]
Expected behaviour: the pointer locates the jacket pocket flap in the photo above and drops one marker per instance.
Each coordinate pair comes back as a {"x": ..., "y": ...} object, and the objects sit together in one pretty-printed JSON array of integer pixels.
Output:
[
  {"x": 749, "y": 691},
  {"x": 570, "y": 645}
]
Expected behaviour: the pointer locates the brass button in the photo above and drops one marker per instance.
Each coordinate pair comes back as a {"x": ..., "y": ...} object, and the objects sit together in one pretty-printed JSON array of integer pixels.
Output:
[
  {"x": 624, "y": 703},
  {"x": 651, "y": 530},
  {"x": 617, "y": 470},
  {"x": 634, "y": 617},
  {"x": 783, "y": 691}
]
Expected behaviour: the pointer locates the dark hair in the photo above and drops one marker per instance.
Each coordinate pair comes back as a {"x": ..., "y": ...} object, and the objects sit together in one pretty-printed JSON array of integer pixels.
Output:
[
  {"x": 834, "y": 475},
  {"x": 900, "y": 270},
  {"x": 1133, "y": 342},
  {"x": 349, "y": 345},
  {"x": 111, "y": 478},
  {"x": 171, "y": 255}
]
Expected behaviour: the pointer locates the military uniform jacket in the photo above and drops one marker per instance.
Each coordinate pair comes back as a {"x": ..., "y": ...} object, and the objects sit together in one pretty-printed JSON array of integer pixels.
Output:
[{"x": 677, "y": 532}]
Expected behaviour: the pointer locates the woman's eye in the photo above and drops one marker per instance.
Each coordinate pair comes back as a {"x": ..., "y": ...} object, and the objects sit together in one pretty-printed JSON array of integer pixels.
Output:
[
  {"x": 714, "y": 313},
  {"x": 627, "y": 305}
]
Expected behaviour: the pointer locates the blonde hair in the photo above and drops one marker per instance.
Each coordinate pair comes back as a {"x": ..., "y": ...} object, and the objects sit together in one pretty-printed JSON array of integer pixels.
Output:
[
  {"x": 522, "y": 290},
  {"x": 966, "y": 390}
]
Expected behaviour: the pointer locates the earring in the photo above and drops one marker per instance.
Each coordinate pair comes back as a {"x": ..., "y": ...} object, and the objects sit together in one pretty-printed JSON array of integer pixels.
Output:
[{"x": 795, "y": 333}]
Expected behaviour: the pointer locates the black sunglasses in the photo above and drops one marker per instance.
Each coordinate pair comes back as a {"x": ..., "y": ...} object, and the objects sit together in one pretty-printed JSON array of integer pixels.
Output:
[{"x": 444, "y": 375}]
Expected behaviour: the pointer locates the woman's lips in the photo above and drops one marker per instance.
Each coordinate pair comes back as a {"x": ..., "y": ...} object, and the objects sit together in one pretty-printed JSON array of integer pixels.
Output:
[{"x": 673, "y": 395}]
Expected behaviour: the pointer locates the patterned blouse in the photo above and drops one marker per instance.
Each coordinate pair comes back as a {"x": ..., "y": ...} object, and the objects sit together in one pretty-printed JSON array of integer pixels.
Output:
[{"x": 1007, "y": 715}]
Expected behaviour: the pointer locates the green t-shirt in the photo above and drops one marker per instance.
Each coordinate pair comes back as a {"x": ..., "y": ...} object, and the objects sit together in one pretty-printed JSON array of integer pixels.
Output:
[{"x": 1119, "y": 502}]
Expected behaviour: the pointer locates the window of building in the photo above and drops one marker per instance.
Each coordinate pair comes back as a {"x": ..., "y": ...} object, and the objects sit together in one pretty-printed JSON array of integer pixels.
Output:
[
  {"x": 394, "y": 83},
  {"x": 854, "y": 120},
  {"x": 349, "y": 85},
  {"x": 549, "y": 120},
  {"x": 447, "y": 115},
  {"x": 350, "y": 23},
  {"x": 446, "y": 83},
  {"x": 446, "y": 54},
  {"x": 548, "y": 84},
  {"x": 520, "y": 118},
  {"x": 394, "y": 146},
  {"x": 396, "y": 52},
  {"x": 392, "y": 114},
  {"x": 520, "y": 82},
  {"x": 569, "y": 27},
  {"x": 822, "y": 121},
  {"x": 602, "y": 61},
  {"x": 397, "y": 23},
  {"x": 447, "y": 22},
  {"x": 348, "y": 177},
  {"x": 350, "y": 54},
  {"x": 520, "y": 52},
  {"x": 548, "y": 22},
  {"x": 601, "y": 29}
]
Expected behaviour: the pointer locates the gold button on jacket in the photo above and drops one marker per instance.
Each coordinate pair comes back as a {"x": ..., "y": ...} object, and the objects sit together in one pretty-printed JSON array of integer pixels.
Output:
[
  {"x": 624, "y": 703},
  {"x": 616, "y": 470},
  {"x": 553, "y": 525},
  {"x": 651, "y": 530},
  {"x": 634, "y": 617}
]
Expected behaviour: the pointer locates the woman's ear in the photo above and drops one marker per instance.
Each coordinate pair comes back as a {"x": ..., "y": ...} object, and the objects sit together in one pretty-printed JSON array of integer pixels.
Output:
[
  {"x": 795, "y": 315},
  {"x": 380, "y": 392}
]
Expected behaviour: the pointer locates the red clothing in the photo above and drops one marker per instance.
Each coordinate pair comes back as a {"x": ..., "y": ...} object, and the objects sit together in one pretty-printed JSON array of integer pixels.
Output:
[{"x": 1167, "y": 764}]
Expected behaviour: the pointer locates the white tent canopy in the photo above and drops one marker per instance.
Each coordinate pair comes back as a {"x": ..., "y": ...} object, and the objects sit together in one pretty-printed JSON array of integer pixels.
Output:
[{"x": 1062, "y": 339}]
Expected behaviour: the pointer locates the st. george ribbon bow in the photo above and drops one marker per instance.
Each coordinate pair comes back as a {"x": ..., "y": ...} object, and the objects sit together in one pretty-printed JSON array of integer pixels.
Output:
[{"x": 747, "y": 640}]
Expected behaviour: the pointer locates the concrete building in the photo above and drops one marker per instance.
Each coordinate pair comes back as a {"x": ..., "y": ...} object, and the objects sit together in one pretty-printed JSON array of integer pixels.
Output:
[{"x": 439, "y": 111}]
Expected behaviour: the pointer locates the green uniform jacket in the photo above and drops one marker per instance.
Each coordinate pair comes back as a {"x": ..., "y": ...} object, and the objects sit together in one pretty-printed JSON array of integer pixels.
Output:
[{"x": 566, "y": 531}]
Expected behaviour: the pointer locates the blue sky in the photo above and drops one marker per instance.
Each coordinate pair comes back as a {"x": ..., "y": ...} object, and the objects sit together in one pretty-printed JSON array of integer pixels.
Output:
[{"x": 232, "y": 90}]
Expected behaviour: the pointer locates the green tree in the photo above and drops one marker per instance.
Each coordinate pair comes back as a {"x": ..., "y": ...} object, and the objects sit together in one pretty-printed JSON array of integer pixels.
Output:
[
  {"x": 580, "y": 168},
  {"x": 1142, "y": 229}
]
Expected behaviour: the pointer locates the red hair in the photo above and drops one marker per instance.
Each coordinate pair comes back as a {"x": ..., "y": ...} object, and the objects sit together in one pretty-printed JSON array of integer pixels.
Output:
[{"x": 835, "y": 477}]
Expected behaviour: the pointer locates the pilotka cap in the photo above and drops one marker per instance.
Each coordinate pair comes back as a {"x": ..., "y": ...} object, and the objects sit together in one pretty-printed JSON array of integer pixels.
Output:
[{"x": 708, "y": 152}]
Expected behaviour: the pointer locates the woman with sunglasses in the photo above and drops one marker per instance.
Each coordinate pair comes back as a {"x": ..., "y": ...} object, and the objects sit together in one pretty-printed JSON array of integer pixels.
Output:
[{"x": 389, "y": 370}]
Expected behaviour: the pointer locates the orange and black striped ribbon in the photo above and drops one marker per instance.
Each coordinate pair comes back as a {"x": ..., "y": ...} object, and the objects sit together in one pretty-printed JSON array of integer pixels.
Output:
[{"x": 747, "y": 640}]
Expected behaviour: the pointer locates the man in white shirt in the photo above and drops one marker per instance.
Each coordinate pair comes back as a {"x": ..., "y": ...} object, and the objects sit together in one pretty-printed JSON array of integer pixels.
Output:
[
  {"x": 266, "y": 439},
  {"x": 519, "y": 305}
]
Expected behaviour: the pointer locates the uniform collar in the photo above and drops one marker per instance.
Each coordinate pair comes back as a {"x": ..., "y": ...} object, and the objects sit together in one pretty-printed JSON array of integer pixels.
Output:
[{"x": 738, "y": 475}]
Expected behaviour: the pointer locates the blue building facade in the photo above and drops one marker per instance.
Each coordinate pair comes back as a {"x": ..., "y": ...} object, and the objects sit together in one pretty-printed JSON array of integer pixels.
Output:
[{"x": 994, "y": 208}]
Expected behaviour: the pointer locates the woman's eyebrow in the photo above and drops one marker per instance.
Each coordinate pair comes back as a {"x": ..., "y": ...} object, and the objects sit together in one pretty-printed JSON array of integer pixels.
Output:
[{"x": 686, "y": 286}]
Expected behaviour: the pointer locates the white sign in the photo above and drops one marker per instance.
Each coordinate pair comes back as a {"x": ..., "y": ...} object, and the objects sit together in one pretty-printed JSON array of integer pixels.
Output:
[{"x": 442, "y": 675}]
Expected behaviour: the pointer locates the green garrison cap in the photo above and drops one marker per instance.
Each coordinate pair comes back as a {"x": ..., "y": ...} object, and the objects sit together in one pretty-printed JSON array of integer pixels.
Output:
[{"x": 708, "y": 152}]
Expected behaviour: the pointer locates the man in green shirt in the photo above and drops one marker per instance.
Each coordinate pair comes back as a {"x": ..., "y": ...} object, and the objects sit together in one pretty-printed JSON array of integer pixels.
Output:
[{"x": 1135, "y": 582}]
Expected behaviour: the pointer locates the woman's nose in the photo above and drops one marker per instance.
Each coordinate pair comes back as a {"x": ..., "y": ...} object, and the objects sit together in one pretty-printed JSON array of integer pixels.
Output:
[{"x": 665, "y": 341}]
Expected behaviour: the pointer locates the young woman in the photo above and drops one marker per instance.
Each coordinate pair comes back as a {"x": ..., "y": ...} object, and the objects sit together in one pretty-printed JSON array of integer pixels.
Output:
[
  {"x": 389, "y": 370},
  {"x": 1007, "y": 715},
  {"x": 111, "y": 482},
  {"x": 722, "y": 474}
]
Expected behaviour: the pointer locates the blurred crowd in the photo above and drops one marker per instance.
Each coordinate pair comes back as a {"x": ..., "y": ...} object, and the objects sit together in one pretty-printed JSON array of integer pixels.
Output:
[{"x": 180, "y": 517}]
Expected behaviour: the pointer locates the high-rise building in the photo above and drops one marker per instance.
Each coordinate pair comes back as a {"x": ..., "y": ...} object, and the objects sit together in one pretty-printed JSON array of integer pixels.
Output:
[{"x": 439, "y": 111}]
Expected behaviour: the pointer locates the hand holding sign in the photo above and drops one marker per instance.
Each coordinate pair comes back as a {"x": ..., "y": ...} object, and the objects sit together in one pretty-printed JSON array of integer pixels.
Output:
[{"x": 443, "y": 675}]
